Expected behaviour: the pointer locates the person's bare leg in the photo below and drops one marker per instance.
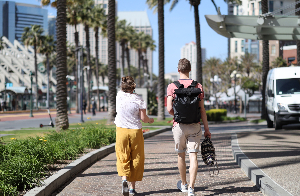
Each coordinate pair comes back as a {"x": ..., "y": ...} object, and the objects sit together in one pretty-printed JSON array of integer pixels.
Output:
[
  {"x": 124, "y": 177},
  {"x": 132, "y": 186},
  {"x": 193, "y": 168},
  {"x": 182, "y": 167}
]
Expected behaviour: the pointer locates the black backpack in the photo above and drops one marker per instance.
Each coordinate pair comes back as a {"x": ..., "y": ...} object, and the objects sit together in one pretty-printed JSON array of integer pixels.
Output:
[{"x": 186, "y": 103}]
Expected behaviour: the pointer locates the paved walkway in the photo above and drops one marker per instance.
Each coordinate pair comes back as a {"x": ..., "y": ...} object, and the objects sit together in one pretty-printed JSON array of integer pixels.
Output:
[{"x": 161, "y": 173}]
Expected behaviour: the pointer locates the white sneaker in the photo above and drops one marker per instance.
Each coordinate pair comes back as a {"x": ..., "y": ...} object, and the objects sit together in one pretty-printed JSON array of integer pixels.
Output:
[
  {"x": 181, "y": 187},
  {"x": 191, "y": 192}
]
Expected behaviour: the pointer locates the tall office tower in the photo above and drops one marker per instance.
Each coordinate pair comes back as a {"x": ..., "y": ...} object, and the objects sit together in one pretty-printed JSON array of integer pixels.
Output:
[
  {"x": 82, "y": 38},
  {"x": 189, "y": 51},
  {"x": 52, "y": 26},
  {"x": 14, "y": 17},
  {"x": 140, "y": 22}
]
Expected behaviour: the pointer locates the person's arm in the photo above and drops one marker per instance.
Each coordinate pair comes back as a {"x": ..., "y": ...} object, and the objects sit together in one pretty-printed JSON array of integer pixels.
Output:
[
  {"x": 144, "y": 117},
  {"x": 204, "y": 119},
  {"x": 170, "y": 105}
]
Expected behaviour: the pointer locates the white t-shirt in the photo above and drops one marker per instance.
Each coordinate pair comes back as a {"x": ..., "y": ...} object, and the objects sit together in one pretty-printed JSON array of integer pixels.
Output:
[{"x": 128, "y": 107}]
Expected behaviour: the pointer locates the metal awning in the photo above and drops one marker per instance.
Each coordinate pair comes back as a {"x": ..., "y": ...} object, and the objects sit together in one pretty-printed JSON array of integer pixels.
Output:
[
  {"x": 256, "y": 27},
  {"x": 16, "y": 90}
]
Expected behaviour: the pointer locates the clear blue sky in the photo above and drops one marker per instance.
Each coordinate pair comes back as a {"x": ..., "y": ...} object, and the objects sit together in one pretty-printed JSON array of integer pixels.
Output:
[{"x": 179, "y": 29}]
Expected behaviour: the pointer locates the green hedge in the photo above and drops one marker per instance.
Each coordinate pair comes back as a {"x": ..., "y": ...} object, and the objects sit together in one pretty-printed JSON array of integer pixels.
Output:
[
  {"x": 216, "y": 114},
  {"x": 24, "y": 163}
]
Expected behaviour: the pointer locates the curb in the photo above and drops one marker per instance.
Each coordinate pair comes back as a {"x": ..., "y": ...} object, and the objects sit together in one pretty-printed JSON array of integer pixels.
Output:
[
  {"x": 55, "y": 181},
  {"x": 267, "y": 186}
]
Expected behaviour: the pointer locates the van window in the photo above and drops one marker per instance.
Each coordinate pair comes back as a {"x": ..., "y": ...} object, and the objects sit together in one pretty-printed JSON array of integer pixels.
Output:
[{"x": 288, "y": 86}]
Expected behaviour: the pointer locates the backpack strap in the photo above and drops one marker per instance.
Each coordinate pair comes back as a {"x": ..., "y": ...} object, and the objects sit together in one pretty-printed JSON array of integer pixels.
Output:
[
  {"x": 178, "y": 85},
  {"x": 193, "y": 84}
]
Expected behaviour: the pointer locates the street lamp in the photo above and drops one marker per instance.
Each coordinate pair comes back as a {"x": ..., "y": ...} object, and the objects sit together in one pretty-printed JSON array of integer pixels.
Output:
[
  {"x": 69, "y": 78},
  {"x": 215, "y": 80},
  {"x": 31, "y": 80},
  {"x": 92, "y": 88},
  {"x": 234, "y": 75}
]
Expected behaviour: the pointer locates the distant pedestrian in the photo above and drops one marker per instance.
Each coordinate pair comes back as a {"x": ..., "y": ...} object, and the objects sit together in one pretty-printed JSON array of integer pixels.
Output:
[
  {"x": 131, "y": 108},
  {"x": 84, "y": 106},
  {"x": 94, "y": 106},
  {"x": 13, "y": 104},
  {"x": 185, "y": 102}
]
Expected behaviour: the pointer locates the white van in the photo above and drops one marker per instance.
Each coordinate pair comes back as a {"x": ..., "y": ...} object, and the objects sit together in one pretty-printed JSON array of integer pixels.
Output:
[{"x": 283, "y": 96}]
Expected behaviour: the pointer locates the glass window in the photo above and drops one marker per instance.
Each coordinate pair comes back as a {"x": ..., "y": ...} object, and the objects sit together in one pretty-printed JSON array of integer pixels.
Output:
[
  {"x": 104, "y": 5},
  {"x": 237, "y": 10},
  {"x": 236, "y": 48},
  {"x": 271, "y": 6},
  {"x": 281, "y": 3},
  {"x": 242, "y": 47},
  {"x": 252, "y": 6},
  {"x": 288, "y": 86},
  {"x": 259, "y": 5},
  {"x": 291, "y": 59},
  {"x": 273, "y": 49}
]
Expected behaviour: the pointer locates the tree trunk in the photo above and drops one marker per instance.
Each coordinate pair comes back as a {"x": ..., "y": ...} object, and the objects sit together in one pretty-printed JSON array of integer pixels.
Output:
[
  {"x": 36, "y": 78},
  {"x": 76, "y": 69},
  {"x": 298, "y": 42},
  {"x": 161, "y": 63},
  {"x": 61, "y": 119},
  {"x": 139, "y": 68},
  {"x": 97, "y": 64},
  {"x": 111, "y": 61},
  {"x": 265, "y": 68},
  {"x": 128, "y": 60},
  {"x": 198, "y": 44},
  {"x": 143, "y": 65},
  {"x": 88, "y": 59},
  {"x": 48, "y": 81},
  {"x": 123, "y": 59}
]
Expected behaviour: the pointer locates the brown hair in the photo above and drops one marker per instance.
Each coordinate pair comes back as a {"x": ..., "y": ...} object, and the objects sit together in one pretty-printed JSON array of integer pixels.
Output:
[
  {"x": 184, "y": 65},
  {"x": 127, "y": 84}
]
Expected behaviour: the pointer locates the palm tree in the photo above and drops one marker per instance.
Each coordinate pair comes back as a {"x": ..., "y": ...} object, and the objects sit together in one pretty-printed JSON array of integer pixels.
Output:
[
  {"x": 32, "y": 36},
  {"x": 1, "y": 43},
  {"x": 85, "y": 17},
  {"x": 48, "y": 47},
  {"x": 248, "y": 62},
  {"x": 62, "y": 121},
  {"x": 161, "y": 56},
  {"x": 111, "y": 60},
  {"x": 148, "y": 43},
  {"x": 98, "y": 22},
  {"x": 132, "y": 32},
  {"x": 279, "y": 62},
  {"x": 265, "y": 68}
]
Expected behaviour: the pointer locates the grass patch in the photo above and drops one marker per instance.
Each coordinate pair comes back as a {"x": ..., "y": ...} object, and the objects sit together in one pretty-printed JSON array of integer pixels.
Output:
[{"x": 256, "y": 121}]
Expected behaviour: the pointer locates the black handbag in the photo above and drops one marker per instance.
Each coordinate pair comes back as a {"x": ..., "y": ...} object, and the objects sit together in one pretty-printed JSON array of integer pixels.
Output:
[{"x": 209, "y": 154}]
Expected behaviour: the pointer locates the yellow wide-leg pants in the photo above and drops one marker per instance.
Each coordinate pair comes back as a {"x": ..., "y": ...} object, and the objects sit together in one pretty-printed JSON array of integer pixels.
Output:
[{"x": 130, "y": 153}]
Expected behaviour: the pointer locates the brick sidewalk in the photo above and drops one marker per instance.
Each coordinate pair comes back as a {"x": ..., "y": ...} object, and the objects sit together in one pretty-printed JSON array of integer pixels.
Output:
[{"x": 161, "y": 173}]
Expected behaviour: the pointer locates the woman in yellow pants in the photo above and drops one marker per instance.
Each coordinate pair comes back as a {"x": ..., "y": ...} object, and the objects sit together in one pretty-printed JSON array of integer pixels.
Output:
[{"x": 131, "y": 108}]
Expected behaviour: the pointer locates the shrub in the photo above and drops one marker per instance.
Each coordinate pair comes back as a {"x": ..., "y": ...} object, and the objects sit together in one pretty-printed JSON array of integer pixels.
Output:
[
  {"x": 24, "y": 163},
  {"x": 216, "y": 114},
  {"x": 152, "y": 106}
]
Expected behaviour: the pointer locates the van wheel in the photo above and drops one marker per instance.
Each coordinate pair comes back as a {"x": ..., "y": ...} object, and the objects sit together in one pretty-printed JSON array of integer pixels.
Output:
[
  {"x": 269, "y": 122},
  {"x": 278, "y": 125}
]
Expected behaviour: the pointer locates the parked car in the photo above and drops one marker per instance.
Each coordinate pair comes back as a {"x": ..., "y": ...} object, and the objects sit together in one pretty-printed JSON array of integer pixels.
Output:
[{"x": 283, "y": 96}]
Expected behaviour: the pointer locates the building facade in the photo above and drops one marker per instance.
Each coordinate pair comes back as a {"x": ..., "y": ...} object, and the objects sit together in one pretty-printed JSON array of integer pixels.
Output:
[
  {"x": 52, "y": 26},
  {"x": 14, "y": 17},
  {"x": 189, "y": 51},
  {"x": 290, "y": 54}
]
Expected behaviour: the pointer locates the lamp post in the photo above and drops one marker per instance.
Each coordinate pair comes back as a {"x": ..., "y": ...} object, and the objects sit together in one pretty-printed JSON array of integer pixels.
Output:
[
  {"x": 69, "y": 83},
  {"x": 234, "y": 75},
  {"x": 31, "y": 78},
  {"x": 4, "y": 105},
  {"x": 92, "y": 84},
  {"x": 215, "y": 80}
]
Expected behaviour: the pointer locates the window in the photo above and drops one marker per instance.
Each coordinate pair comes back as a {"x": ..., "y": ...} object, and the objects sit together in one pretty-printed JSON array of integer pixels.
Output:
[
  {"x": 288, "y": 86},
  {"x": 259, "y": 5},
  {"x": 281, "y": 3},
  {"x": 237, "y": 10},
  {"x": 271, "y": 6},
  {"x": 236, "y": 43},
  {"x": 104, "y": 5},
  {"x": 253, "y": 10},
  {"x": 273, "y": 49},
  {"x": 242, "y": 47},
  {"x": 291, "y": 59}
]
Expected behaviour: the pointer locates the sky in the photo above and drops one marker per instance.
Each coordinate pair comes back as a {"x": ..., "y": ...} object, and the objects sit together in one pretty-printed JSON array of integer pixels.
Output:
[{"x": 179, "y": 28}]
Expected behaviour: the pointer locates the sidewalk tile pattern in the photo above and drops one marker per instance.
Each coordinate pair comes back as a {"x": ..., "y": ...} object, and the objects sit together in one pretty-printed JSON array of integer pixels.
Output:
[{"x": 161, "y": 173}]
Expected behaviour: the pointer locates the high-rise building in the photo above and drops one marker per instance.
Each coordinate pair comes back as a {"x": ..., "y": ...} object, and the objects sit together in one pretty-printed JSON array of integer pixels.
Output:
[
  {"x": 14, "y": 17},
  {"x": 140, "y": 22},
  {"x": 52, "y": 26},
  {"x": 189, "y": 51}
]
